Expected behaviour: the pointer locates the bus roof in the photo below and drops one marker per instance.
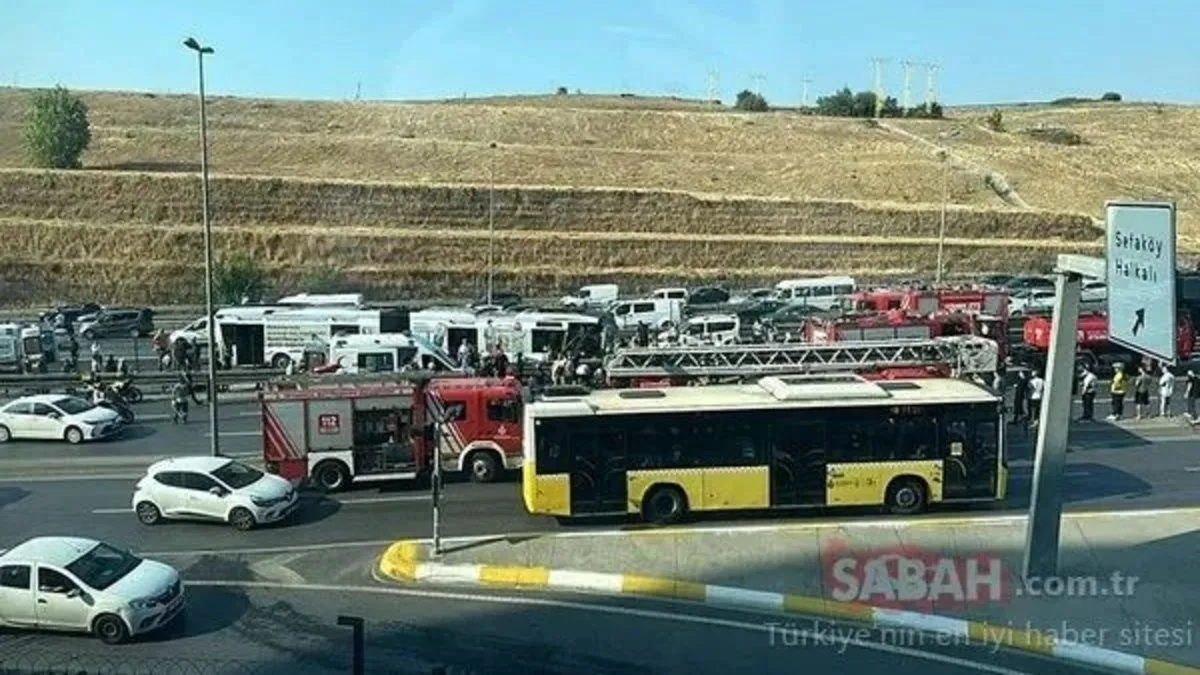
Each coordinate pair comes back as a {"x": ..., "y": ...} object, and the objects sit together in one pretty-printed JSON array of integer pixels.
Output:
[
  {"x": 816, "y": 281},
  {"x": 801, "y": 391}
]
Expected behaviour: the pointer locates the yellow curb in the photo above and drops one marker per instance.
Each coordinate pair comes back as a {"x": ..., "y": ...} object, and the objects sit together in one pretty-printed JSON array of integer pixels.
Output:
[
  {"x": 662, "y": 588},
  {"x": 513, "y": 576},
  {"x": 805, "y": 604},
  {"x": 1157, "y": 667},
  {"x": 400, "y": 560}
]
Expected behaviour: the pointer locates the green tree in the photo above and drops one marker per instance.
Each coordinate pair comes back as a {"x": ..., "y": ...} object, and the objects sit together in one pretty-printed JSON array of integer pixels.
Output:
[
  {"x": 838, "y": 104},
  {"x": 846, "y": 103},
  {"x": 995, "y": 120},
  {"x": 56, "y": 129},
  {"x": 239, "y": 276},
  {"x": 750, "y": 101}
]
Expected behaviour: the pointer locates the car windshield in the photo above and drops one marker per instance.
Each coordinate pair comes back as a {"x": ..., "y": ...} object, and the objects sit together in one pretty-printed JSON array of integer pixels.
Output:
[
  {"x": 103, "y": 566},
  {"x": 72, "y": 406},
  {"x": 237, "y": 475}
]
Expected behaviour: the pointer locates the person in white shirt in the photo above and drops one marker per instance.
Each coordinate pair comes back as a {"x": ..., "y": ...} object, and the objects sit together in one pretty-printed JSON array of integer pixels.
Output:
[
  {"x": 1166, "y": 389},
  {"x": 1036, "y": 386},
  {"x": 1087, "y": 392}
]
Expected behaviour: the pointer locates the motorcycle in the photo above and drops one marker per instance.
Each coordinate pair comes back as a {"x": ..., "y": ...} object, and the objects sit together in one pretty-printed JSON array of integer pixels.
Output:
[
  {"x": 127, "y": 390},
  {"x": 114, "y": 403}
]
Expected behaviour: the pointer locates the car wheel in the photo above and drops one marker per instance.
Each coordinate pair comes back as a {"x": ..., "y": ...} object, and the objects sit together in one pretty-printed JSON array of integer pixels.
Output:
[
  {"x": 148, "y": 513},
  {"x": 241, "y": 519},
  {"x": 110, "y": 629},
  {"x": 73, "y": 435},
  {"x": 5, "y": 434}
]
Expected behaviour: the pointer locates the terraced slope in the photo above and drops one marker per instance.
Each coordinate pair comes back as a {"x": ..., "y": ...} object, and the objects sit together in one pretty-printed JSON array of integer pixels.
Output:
[{"x": 587, "y": 189}]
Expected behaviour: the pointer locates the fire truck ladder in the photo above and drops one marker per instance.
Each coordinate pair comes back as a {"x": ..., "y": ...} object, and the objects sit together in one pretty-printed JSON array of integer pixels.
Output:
[{"x": 964, "y": 354}]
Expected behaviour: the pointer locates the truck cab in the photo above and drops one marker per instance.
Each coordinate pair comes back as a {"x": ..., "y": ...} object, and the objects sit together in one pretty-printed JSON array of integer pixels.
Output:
[{"x": 482, "y": 434}]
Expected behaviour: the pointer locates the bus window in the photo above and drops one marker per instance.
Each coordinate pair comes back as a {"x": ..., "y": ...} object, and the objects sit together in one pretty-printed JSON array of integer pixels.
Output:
[
  {"x": 848, "y": 436},
  {"x": 344, "y": 329},
  {"x": 822, "y": 291},
  {"x": 378, "y": 362},
  {"x": 552, "y": 454},
  {"x": 662, "y": 443},
  {"x": 916, "y": 437},
  {"x": 545, "y": 341}
]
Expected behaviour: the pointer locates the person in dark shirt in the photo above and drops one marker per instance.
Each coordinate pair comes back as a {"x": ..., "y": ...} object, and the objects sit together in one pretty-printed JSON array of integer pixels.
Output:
[{"x": 1192, "y": 392}]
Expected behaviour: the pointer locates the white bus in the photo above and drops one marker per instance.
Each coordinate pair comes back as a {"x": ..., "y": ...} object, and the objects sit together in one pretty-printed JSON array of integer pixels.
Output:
[
  {"x": 386, "y": 353},
  {"x": 823, "y": 292},
  {"x": 277, "y": 336},
  {"x": 533, "y": 335}
]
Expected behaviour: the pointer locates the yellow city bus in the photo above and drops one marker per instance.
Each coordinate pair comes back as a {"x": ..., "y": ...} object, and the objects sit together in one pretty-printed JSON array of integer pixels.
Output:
[{"x": 782, "y": 442}]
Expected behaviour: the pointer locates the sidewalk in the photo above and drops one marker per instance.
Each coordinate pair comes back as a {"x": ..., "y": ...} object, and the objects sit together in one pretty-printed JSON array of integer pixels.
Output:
[{"x": 1125, "y": 578}]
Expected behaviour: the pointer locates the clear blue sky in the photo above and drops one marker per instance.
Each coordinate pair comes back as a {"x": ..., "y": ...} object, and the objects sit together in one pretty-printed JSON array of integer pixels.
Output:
[{"x": 989, "y": 51}]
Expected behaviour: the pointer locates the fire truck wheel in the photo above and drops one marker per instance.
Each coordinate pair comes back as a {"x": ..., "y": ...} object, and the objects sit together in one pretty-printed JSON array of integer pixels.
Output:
[
  {"x": 241, "y": 519},
  {"x": 483, "y": 466},
  {"x": 330, "y": 476},
  {"x": 906, "y": 496}
]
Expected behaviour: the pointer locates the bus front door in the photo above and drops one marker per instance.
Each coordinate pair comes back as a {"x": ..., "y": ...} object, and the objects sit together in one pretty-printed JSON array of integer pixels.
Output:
[
  {"x": 598, "y": 484},
  {"x": 971, "y": 458}
]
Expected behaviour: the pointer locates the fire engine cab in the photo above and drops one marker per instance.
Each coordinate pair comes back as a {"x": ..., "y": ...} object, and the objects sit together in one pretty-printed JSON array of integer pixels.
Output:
[{"x": 336, "y": 431}]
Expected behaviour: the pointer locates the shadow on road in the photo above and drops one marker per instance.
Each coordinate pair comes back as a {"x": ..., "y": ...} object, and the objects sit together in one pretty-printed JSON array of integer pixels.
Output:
[
  {"x": 12, "y": 495},
  {"x": 210, "y": 610}
]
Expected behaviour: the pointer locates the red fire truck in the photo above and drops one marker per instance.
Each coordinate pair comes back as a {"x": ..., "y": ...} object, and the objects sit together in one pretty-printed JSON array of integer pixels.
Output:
[
  {"x": 337, "y": 431},
  {"x": 1093, "y": 348},
  {"x": 931, "y": 301}
]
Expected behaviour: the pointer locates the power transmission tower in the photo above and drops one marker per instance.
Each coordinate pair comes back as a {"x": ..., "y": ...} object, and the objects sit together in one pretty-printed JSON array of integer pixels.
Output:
[
  {"x": 908, "y": 66},
  {"x": 758, "y": 79},
  {"x": 878, "y": 63},
  {"x": 931, "y": 70},
  {"x": 714, "y": 86},
  {"x": 804, "y": 95},
  {"x": 358, "y": 91}
]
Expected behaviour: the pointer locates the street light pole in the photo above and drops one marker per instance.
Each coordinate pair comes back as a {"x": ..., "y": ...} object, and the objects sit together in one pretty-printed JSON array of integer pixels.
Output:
[
  {"x": 214, "y": 442},
  {"x": 491, "y": 279},
  {"x": 942, "y": 226}
]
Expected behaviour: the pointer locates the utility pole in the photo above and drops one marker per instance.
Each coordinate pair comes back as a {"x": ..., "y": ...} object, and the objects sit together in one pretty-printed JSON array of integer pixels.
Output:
[
  {"x": 931, "y": 70},
  {"x": 491, "y": 273},
  {"x": 804, "y": 95},
  {"x": 878, "y": 64},
  {"x": 358, "y": 92},
  {"x": 907, "y": 102},
  {"x": 214, "y": 442}
]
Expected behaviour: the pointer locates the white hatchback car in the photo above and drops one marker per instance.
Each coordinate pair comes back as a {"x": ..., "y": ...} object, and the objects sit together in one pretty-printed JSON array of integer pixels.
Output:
[
  {"x": 212, "y": 488},
  {"x": 57, "y": 417},
  {"x": 83, "y": 585}
]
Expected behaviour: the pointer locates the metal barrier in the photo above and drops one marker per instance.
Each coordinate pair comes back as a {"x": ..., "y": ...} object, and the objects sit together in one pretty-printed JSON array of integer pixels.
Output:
[{"x": 46, "y": 383}]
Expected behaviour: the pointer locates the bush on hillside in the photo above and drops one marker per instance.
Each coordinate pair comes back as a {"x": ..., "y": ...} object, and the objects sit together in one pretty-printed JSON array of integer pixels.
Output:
[
  {"x": 995, "y": 120},
  {"x": 1112, "y": 96},
  {"x": 239, "y": 277},
  {"x": 751, "y": 102},
  {"x": 926, "y": 111},
  {"x": 56, "y": 129},
  {"x": 561, "y": 91},
  {"x": 846, "y": 103},
  {"x": 1056, "y": 135},
  {"x": 326, "y": 279}
]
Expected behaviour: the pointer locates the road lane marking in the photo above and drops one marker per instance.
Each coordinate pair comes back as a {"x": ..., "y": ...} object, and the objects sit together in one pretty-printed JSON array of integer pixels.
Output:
[
  {"x": 298, "y": 548},
  {"x": 110, "y": 511},
  {"x": 256, "y": 432},
  {"x": 753, "y": 627},
  {"x": 67, "y": 478}
]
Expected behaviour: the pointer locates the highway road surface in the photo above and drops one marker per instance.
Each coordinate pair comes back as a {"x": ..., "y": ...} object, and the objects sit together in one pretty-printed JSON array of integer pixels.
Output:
[{"x": 241, "y": 621}]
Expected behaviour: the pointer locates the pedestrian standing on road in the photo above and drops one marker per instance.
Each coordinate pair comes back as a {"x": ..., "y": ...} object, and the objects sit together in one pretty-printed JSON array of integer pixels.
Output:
[
  {"x": 1192, "y": 392},
  {"x": 97, "y": 358},
  {"x": 179, "y": 353},
  {"x": 1166, "y": 389},
  {"x": 1141, "y": 392},
  {"x": 1020, "y": 395},
  {"x": 1118, "y": 388},
  {"x": 180, "y": 394},
  {"x": 1037, "y": 386},
  {"x": 1087, "y": 392}
]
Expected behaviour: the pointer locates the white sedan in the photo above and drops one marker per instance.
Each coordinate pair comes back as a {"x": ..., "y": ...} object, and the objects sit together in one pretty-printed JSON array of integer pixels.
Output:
[
  {"x": 215, "y": 489},
  {"x": 86, "y": 586},
  {"x": 56, "y": 417}
]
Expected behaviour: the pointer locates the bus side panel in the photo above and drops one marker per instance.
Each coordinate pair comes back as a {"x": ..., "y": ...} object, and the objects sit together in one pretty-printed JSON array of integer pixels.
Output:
[
  {"x": 550, "y": 494},
  {"x": 865, "y": 483},
  {"x": 737, "y": 487},
  {"x": 691, "y": 481}
]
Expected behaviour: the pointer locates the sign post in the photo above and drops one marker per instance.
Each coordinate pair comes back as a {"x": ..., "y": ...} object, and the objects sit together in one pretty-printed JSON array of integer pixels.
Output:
[
  {"x": 438, "y": 413},
  {"x": 1141, "y": 278}
]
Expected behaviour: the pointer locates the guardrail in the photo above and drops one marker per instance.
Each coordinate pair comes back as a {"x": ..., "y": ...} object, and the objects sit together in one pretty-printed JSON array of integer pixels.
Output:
[{"x": 45, "y": 383}]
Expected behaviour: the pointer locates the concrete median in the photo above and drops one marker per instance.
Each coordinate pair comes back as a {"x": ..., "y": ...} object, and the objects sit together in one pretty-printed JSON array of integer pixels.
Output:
[{"x": 1126, "y": 576}]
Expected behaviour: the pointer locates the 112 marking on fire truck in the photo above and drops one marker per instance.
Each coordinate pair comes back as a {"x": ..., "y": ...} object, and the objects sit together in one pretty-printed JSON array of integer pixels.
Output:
[{"x": 1140, "y": 256}]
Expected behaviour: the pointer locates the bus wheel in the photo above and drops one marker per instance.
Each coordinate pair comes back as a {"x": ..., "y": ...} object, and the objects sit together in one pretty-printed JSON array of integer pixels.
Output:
[
  {"x": 281, "y": 361},
  {"x": 331, "y": 476},
  {"x": 483, "y": 467},
  {"x": 906, "y": 496},
  {"x": 664, "y": 505}
]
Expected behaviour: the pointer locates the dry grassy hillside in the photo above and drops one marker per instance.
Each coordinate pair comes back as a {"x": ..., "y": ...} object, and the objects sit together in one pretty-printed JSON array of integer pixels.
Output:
[{"x": 640, "y": 191}]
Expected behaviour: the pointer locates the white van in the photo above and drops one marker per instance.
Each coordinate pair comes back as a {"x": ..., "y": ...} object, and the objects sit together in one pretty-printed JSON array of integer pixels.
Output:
[
  {"x": 386, "y": 353},
  {"x": 655, "y": 312},
  {"x": 823, "y": 292},
  {"x": 680, "y": 294},
  {"x": 715, "y": 329},
  {"x": 594, "y": 295}
]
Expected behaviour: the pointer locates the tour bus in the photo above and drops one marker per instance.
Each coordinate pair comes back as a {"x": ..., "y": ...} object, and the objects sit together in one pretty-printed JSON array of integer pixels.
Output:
[
  {"x": 821, "y": 292},
  {"x": 782, "y": 442},
  {"x": 276, "y": 336}
]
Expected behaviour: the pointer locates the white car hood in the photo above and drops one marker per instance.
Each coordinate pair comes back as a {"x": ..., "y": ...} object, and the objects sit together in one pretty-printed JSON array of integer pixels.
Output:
[
  {"x": 96, "y": 415},
  {"x": 147, "y": 580},
  {"x": 268, "y": 487}
]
